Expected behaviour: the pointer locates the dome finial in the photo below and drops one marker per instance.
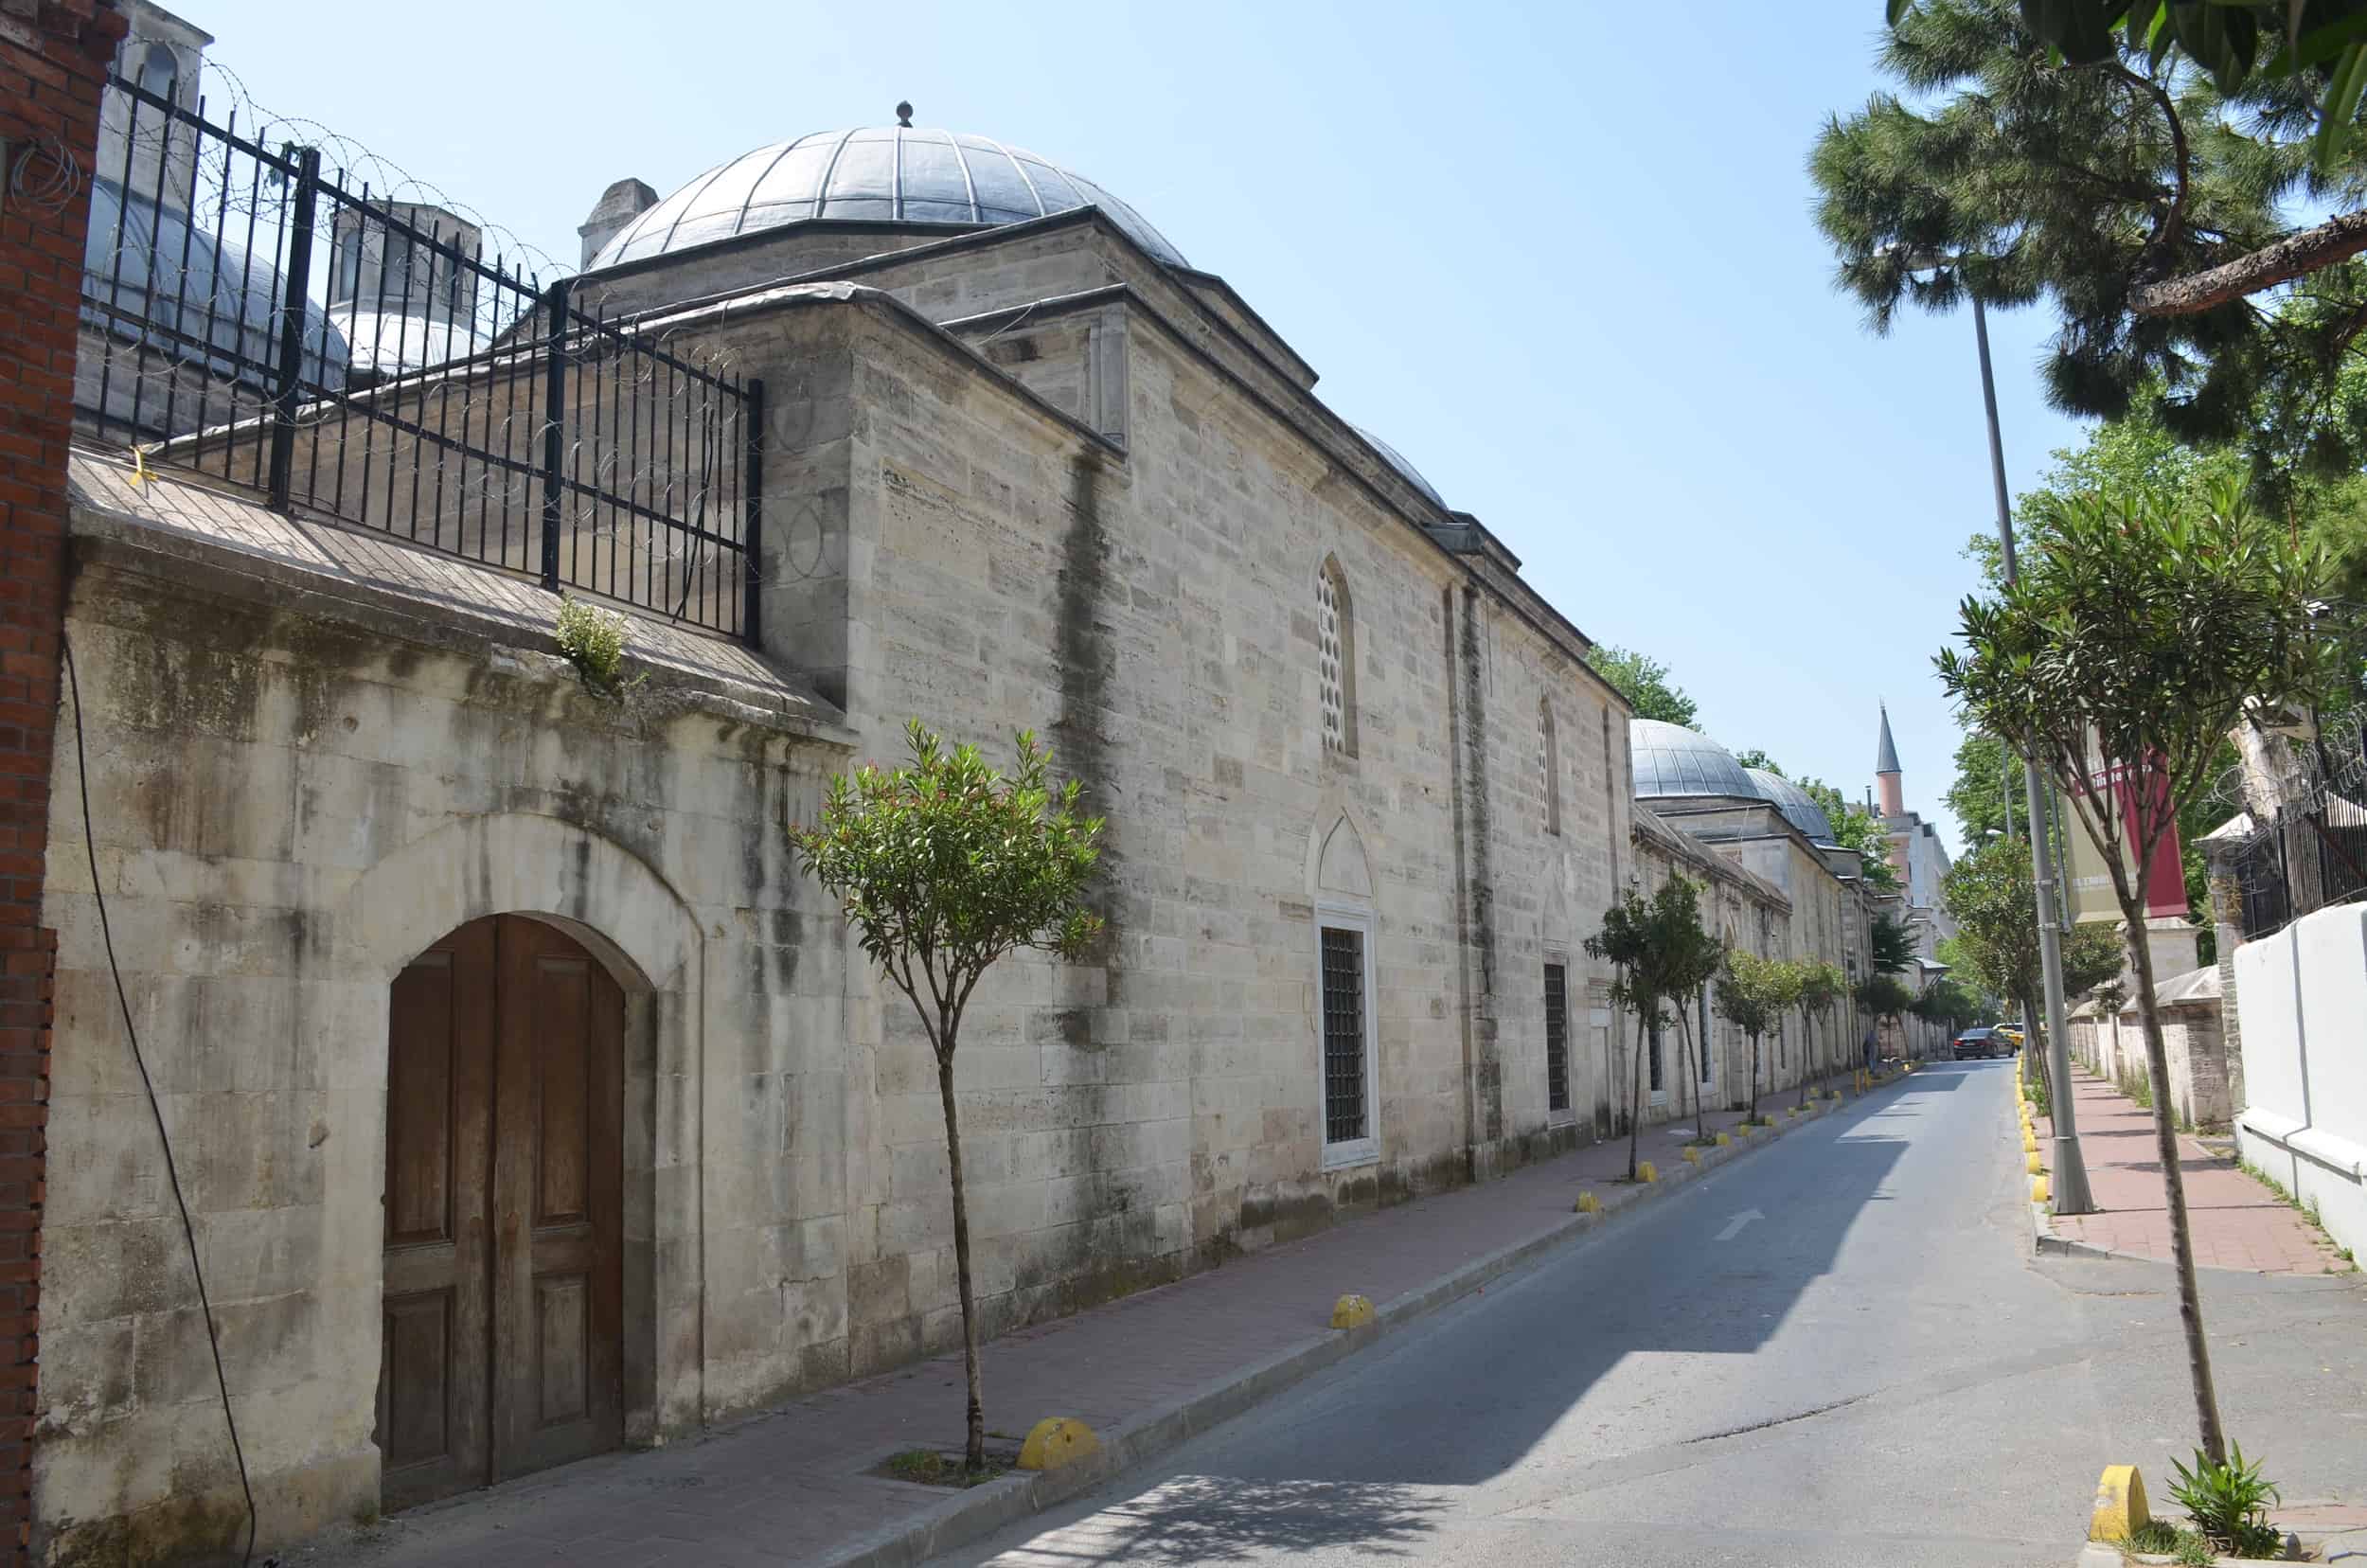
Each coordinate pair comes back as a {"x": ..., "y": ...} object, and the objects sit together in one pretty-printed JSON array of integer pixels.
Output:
[{"x": 904, "y": 114}]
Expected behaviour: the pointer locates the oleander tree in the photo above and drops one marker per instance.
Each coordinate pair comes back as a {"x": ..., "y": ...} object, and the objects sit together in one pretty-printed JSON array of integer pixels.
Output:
[
  {"x": 1756, "y": 993},
  {"x": 945, "y": 866},
  {"x": 1822, "y": 986},
  {"x": 2142, "y": 629}
]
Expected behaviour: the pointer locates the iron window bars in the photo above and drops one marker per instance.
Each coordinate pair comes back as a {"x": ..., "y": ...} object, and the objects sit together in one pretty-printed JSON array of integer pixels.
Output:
[
  {"x": 1345, "y": 1119},
  {"x": 1556, "y": 1038}
]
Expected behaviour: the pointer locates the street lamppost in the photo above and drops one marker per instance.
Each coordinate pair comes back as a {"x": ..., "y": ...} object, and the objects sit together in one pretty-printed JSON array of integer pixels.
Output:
[{"x": 2072, "y": 1195}]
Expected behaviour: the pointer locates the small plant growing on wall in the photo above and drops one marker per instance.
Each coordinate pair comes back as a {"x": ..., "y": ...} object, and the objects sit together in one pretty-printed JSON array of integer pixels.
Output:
[
  {"x": 945, "y": 865},
  {"x": 593, "y": 640}
]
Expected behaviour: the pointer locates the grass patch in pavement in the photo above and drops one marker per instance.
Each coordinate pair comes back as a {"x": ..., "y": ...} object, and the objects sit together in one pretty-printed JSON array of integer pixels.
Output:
[{"x": 928, "y": 1468}]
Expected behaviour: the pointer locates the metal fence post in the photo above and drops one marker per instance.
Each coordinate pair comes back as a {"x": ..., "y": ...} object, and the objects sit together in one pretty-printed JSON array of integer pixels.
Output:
[
  {"x": 554, "y": 432},
  {"x": 296, "y": 289},
  {"x": 752, "y": 526}
]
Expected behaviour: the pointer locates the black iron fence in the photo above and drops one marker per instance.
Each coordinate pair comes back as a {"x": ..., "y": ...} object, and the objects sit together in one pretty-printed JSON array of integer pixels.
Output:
[
  {"x": 2314, "y": 853},
  {"x": 248, "y": 316}
]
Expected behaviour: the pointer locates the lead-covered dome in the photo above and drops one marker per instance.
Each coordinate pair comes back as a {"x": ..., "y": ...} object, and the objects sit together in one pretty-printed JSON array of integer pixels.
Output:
[
  {"x": 889, "y": 174},
  {"x": 1406, "y": 471},
  {"x": 1671, "y": 761},
  {"x": 1799, "y": 807}
]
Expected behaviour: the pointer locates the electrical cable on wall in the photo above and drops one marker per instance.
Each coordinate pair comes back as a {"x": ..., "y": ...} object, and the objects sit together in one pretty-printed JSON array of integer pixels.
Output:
[{"x": 188, "y": 1231}]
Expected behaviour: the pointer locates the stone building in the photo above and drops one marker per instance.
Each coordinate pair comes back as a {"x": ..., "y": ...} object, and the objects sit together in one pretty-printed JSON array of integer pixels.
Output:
[
  {"x": 526, "y": 1102},
  {"x": 1768, "y": 828}
]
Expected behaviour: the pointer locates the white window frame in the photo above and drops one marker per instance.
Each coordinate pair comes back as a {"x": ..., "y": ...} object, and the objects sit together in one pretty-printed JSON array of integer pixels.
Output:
[{"x": 1332, "y": 916}]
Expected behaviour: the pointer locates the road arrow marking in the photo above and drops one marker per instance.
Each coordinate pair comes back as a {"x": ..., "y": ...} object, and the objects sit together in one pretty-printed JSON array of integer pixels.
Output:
[{"x": 1733, "y": 1226}]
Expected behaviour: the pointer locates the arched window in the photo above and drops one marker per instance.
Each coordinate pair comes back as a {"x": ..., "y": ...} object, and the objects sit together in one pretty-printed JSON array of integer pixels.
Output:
[
  {"x": 395, "y": 275},
  {"x": 160, "y": 72},
  {"x": 348, "y": 267},
  {"x": 1335, "y": 654},
  {"x": 1548, "y": 765}
]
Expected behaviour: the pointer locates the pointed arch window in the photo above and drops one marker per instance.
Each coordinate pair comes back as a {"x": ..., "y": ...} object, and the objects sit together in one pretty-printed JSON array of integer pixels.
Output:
[
  {"x": 160, "y": 72},
  {"x": 1548, "y": 766},
  {"x": 1335, "y": 658}
]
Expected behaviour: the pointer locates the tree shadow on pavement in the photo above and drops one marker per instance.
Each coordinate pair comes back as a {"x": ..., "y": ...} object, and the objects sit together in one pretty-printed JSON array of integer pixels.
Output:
[{"x": 1224, "y": 1519}]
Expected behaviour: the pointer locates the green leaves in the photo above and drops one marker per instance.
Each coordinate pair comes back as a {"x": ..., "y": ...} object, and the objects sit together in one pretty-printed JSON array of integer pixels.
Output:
[
  {"x": 2228, "y": 1504},
  {"x": 2140, "y": 624},
  {"x": 1658, "y": 945},
  {"x": 2135, "y": 166},
  {"x": 1643, "y": 682},
  {"x": 945, "y": 865}
]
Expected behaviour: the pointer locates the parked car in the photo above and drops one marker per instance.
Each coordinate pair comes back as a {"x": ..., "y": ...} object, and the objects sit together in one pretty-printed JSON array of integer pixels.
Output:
[{"x": 1981, "y": 1044}]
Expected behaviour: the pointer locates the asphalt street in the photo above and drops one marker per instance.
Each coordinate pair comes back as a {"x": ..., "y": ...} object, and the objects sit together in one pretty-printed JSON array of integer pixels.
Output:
[{"x": 1838, "y": 1351}]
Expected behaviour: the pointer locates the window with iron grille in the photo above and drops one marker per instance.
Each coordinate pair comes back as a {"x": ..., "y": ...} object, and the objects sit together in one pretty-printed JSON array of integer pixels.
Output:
[
  {"x": 1660, "y": 1078},
  {"x": 1556, "y": 1038},
  {"x": 1703, "y": 1034},
  {"x": 1345, "y": 1117}
]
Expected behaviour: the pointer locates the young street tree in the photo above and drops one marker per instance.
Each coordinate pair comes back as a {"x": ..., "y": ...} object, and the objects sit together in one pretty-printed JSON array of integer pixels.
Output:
[
  {"x": 1656, "y": 949},
  {"x": 1946, "y": 1004},
  {"x": 2139, "y": 630},
  {"x": 945, "y": 866},
  {"x": 1694, "y": 957},
  {"x": 1756, "y": 993},
  {"x": 1995, "y": 904},
  {"x": 1884, "y": 996},
  {"x": 1822, "y": 985}
]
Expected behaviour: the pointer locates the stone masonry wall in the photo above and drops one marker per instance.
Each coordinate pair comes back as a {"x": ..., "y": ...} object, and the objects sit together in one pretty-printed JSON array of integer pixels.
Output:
[
  {"x": 293, "y": 792},
  {"x": 1151, "y": 613}
]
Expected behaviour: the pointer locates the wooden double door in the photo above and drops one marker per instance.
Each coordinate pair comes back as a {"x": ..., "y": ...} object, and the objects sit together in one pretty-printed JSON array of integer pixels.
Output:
[{"x": 502, "y": 1349}]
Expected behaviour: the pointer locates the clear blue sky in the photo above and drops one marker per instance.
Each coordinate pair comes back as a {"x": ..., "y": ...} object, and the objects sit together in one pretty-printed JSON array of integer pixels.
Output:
[{"x": 1564, "y": 266}]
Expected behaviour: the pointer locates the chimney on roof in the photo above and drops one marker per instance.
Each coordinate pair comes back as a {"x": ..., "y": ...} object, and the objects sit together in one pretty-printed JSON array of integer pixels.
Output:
[{"x": 619, "y": 204}]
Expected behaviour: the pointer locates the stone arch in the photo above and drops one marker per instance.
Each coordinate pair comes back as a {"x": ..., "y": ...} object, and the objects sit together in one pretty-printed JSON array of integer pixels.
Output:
[
  {"x": 1338, "y": 864},
  {"x": 519, "y": 863},
  {"x": 638, "y": 926}
]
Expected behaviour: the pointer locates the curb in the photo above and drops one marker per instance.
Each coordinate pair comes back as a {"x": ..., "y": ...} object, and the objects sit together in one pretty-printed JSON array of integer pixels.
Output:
[
  {"x": 972, "y": 1515},
  {"x": 2047, "y": 1242}
]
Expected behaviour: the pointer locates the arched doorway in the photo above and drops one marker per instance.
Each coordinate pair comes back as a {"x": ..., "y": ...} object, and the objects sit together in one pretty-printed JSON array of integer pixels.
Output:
[{"x": 503, "y": 1329}]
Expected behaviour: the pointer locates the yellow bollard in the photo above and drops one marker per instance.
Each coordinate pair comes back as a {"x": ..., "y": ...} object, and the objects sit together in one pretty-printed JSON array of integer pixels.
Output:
[
  {"x": 2037, "y": 1190},
  {"x": 1644, "y": 1171},
  {"x": 1057, "y": 1440},
  {"x": 1693, "y": 1155},
  {"x": 1724, "y": 1139},
  {"x": 1351, "y": 1311},
  {"x": 2031, "y": 1163},
  {"x": 2120, "y": 1511},
  {"x": 1586, "y": 1203}
]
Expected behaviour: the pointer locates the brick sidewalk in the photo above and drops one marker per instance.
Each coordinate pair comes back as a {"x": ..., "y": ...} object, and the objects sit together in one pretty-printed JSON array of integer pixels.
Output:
[
  {"x": 788, "y": 1486},
  {"x": 2237, "y": 1223}
]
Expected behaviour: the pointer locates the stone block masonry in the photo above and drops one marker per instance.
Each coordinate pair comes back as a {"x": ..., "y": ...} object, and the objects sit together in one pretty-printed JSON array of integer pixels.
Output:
[{"x": 53, "y": 59}]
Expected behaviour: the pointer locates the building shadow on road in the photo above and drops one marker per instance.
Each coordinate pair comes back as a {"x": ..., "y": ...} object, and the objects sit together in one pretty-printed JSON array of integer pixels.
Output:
[
  {"x": 1370, "y": 1465},
  {"x": 1224, "y": 1519}
]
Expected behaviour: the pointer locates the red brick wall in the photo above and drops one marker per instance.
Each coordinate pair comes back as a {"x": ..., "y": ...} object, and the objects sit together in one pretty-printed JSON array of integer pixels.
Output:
[{"x": 53, "y": 58}]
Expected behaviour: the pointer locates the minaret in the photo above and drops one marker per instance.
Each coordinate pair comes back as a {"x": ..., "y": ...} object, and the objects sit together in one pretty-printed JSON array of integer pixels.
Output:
[{"x": 1886, "y": 772}]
